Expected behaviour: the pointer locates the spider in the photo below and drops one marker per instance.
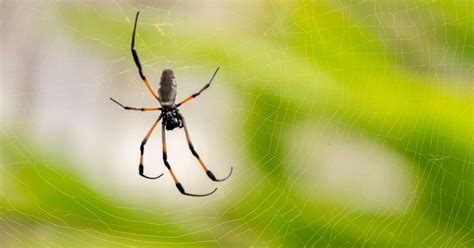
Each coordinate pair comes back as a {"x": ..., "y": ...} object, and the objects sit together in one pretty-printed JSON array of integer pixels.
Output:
[{"x": 171, "y": 117}]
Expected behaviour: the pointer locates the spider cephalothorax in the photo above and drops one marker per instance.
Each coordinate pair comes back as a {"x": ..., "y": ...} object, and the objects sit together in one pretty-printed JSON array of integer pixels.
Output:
[{"x": 171, "y": 118}]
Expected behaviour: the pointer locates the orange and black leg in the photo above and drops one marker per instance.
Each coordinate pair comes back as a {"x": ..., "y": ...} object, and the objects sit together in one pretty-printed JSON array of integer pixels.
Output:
[
  {"x": 137, "y": 60},
  {"x": 191, "y": 147},
  {"x": 199, "y": 92},
  {"x": 165, "y": 160},
  {"x": 132, "y": 108},
  {"x": 142, "y": 149}
]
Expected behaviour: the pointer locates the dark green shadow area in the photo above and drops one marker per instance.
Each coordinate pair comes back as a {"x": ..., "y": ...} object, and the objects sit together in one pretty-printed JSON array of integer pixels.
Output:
[
  {"x": 404, "y": 116},
  {"x": 273, "y": 124}
]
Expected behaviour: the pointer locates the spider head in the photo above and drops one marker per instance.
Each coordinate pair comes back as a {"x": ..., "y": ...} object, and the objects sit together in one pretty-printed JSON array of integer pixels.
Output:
[{"x": 172, "y": 119}]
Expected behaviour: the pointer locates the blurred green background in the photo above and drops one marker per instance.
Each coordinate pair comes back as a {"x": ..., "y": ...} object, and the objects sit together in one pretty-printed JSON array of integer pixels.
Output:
[{"x": 348, "y": 123}]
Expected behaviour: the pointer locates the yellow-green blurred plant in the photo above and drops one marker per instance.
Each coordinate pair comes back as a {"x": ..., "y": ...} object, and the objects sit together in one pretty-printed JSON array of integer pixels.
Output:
[{"x": 308, "y": 57}]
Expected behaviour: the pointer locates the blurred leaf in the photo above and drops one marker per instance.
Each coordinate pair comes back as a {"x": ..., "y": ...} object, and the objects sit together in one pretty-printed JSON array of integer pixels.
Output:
[
  {"x": 322, "y": 65},
  {"x": 37, "y": 191}
]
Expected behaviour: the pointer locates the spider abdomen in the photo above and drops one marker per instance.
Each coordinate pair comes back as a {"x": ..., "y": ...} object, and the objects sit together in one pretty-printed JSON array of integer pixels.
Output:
[{"x": 167, "y": 90}]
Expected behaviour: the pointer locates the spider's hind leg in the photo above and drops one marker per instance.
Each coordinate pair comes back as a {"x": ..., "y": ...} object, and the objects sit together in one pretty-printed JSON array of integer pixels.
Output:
[{"x": 195, "y": 154}]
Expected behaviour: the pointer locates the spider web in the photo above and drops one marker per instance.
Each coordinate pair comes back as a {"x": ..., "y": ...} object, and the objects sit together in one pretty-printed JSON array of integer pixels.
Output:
[{"x": 347, "y": 124}]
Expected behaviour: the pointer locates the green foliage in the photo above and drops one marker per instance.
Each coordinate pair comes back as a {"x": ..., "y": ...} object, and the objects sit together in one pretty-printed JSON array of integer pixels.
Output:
[
  {"x": 43, "y": 193},
  {"x": 325, "y": 61}
]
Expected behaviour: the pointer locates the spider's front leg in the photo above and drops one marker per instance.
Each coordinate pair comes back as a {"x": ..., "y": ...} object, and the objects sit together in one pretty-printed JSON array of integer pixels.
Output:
[
  {"x": 142, "y": 150},
  {"x": 195, "y": 154},
  {"x": 168, "y": 166}
]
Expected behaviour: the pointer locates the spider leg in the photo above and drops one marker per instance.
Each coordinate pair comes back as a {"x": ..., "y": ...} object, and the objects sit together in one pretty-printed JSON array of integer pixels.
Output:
[
  {"x": 191, "y": 147},
  {"x": 177, "y": 183},
  {"x": 137, "y": 60},
  {"x": 142, "y": 149},
  {"x": 199, "y": 92},
  {"x": 132, "y": 108}
]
